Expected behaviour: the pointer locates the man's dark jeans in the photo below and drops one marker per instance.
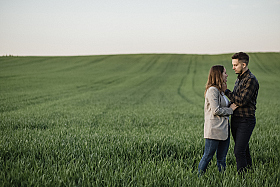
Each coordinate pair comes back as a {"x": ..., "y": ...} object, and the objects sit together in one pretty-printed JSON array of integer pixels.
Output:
[{"x": 241, "y": 129}]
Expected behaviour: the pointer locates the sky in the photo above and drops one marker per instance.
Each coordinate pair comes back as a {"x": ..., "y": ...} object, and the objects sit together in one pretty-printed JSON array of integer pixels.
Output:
[{"x": 93, "y": 27}]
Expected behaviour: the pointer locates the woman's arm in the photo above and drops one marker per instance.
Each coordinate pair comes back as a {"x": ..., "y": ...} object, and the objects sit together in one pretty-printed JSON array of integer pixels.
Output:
[{"x": 212, "y": 95}]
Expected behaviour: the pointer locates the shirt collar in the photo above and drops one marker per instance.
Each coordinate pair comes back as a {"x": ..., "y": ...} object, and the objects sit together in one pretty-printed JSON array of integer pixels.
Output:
[{"x": 244, "y": 74}]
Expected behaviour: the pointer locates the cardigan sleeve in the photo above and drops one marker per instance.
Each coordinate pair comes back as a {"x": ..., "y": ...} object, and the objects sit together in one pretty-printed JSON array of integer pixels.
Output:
[{"x": 212, "y": 95}]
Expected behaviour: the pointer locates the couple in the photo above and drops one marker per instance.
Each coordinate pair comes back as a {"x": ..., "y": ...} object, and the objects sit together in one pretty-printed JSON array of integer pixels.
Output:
[{"x": 217, "y": 110}]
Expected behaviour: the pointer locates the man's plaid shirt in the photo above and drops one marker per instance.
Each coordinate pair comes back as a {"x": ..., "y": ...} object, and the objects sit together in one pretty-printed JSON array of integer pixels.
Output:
[{"x": 244, "y": 94}]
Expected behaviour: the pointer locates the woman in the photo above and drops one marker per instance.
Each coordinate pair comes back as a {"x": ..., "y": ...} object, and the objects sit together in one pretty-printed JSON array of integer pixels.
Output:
[{"x": 216, "y": 119}]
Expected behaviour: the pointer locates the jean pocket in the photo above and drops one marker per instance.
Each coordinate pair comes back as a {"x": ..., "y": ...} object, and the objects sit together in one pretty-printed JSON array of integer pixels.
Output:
[{"x": 250, "y": 121}]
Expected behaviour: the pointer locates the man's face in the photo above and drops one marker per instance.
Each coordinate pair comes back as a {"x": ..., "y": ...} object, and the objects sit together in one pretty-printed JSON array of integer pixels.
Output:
[{"x": 237, "y": 67}]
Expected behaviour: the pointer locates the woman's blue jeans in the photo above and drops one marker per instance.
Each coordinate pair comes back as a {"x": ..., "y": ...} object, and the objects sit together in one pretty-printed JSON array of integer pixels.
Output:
[{"x": 212, "y": 146}]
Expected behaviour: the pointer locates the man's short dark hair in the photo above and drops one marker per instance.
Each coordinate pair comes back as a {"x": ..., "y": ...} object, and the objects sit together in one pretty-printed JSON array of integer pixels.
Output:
[{"x": 242, "y": 57}]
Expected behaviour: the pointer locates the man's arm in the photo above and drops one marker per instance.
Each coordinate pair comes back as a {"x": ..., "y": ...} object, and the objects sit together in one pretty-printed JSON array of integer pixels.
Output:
[{"x": 243, "y": 96}]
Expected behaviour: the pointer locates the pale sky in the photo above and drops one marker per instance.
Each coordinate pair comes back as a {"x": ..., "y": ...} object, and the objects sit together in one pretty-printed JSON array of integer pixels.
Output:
[{"x": 91, "y": 27}]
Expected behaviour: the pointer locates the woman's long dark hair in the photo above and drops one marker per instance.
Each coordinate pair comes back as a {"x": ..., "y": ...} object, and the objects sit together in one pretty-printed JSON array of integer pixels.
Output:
[{"x": 215, "y": 78}]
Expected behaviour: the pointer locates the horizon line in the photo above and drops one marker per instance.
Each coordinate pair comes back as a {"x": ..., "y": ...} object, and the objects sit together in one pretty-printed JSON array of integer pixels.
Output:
[{"x": 111, "y": 54}]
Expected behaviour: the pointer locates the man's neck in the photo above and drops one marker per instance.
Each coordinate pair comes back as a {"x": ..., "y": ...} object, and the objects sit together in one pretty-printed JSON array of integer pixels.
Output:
[{"x": 244, "y": 70}]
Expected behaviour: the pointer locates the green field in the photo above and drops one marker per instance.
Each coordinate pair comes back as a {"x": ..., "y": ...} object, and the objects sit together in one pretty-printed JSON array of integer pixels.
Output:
[{"x": 125, "y": 120}]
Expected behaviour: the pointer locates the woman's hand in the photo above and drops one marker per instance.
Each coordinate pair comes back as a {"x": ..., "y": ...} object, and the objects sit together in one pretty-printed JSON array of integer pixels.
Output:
[{"x": 233, "y": 106}]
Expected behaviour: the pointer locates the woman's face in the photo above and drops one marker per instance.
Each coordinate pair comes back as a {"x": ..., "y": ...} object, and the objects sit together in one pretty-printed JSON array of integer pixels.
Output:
[{"x": 225, "y": 75}]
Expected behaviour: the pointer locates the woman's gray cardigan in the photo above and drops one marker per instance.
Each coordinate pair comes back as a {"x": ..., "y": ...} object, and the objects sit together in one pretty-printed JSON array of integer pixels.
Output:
[{"x": 216, "y": 113}]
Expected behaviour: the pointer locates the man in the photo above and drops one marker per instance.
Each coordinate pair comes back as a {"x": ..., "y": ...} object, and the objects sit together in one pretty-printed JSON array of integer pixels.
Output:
[{"x": 243, "y": 120}]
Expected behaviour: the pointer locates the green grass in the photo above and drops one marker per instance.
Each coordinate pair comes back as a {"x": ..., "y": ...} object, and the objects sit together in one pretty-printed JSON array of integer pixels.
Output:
[{"x": 125, "y": 120}]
